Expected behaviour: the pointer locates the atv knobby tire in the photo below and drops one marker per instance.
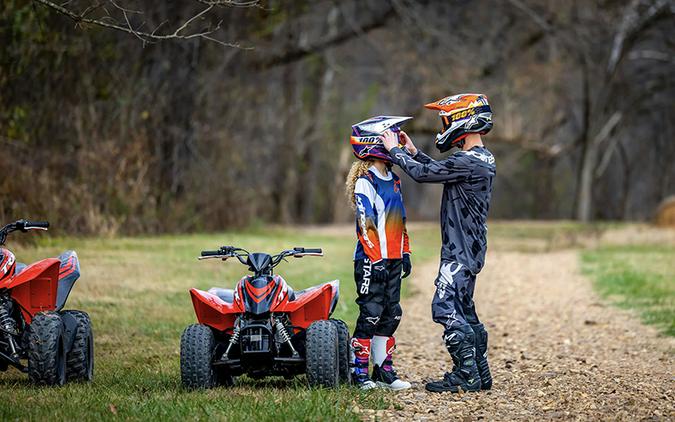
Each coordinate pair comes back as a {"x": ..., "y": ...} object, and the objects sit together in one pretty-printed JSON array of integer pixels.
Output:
[
  {"x": 197, "y": 345},
  {"x": 323, "y": 368},
  {"x": 46, "y": 350},
  {"x": 80, "y": 358},
  {"x": 343, "y": 350}
]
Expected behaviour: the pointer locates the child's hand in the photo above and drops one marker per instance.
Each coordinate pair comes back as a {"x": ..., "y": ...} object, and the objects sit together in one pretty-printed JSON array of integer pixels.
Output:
[
  {"x": 407, "y": 265},
  {"x": 389, "y": 139},
  {"x": 408, "y": 143}
]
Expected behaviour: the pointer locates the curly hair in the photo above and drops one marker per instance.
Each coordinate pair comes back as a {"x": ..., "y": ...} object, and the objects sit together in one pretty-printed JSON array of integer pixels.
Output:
[{"x": 358, "y": 169}]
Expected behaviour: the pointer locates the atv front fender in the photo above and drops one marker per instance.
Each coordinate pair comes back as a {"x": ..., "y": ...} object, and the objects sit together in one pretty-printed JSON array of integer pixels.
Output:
[{"x": 213, "y": 311}]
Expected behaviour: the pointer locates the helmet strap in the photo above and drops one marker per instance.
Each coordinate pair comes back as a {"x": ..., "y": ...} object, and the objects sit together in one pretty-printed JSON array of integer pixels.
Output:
[{"x": 460, "y": 144}]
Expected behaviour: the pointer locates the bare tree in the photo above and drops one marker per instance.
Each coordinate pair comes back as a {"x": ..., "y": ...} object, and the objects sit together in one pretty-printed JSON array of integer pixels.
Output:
[
  {"x": 599, "y": 113},
  {"x": 112, "y": 15}
]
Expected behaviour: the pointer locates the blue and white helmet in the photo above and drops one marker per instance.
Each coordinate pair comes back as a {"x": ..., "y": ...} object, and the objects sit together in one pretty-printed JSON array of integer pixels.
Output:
[{"x": 365, "y": 139}]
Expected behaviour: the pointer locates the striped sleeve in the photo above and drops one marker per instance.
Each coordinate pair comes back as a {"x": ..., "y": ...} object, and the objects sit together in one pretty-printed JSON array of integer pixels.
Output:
[
  {"x": 366, "y": 218},
  {"x": 406, "y": 241}
]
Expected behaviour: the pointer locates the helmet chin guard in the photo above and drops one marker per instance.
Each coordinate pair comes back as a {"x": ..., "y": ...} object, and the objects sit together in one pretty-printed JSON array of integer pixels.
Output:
[
  {"x": 461, "y": 115},
  {"x": 365, "y": 139}
]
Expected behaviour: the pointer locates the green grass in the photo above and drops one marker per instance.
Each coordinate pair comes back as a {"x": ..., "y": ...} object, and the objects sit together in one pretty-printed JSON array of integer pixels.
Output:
[
  {"x": 640, "y": 277},
  {"x": 136, "y": 292}
]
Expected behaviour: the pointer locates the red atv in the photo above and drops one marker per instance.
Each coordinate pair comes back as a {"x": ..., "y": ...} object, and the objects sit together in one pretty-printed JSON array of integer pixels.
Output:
[
  {"x": 58, "y": 344},
  {"x": 263, "y": 327}
]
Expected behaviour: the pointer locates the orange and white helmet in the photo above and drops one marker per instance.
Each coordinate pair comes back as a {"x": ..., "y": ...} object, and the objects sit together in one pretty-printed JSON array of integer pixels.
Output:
[{"x": 461, "y": 115}]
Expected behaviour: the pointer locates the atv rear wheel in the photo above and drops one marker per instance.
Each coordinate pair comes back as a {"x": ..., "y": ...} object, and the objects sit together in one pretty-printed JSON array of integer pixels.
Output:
[
  {"x": 46, "y": 350},
  {"x": 197, "y": 345},
  {"x": 323, "y": 368},
  {"x": 80, "y": 358},
  {"x": 343, "y": 350}
]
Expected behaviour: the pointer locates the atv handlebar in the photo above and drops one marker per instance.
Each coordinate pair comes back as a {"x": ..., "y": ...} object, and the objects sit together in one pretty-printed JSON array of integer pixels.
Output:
[
  {"x": 211, "y": 253},
  {"x": 307, "y": 251},
  {"x": 22, "y": 225},
  {"x": 40, "y": 225},
  {"x": 226, "y": 252}
]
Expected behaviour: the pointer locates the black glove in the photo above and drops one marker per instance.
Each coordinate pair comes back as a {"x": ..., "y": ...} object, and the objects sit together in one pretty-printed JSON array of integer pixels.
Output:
[
  {"x": 380, "y": 273},
  {"x": 407, "y": 265}
]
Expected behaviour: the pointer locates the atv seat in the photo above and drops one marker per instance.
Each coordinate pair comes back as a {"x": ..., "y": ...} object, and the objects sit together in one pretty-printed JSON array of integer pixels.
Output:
[
  {"x": 19, "y": 267},
  {"x": 226, "y": 295},
  {"x": 294, "y": 295}
]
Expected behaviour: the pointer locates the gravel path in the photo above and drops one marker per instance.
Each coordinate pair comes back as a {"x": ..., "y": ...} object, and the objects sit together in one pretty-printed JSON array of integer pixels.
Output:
[{"x": 556, "y": 352}]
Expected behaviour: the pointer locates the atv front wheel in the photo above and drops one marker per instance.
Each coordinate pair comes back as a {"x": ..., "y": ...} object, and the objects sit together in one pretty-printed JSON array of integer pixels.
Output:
[
  {"x": 196, "y": 354},
  {"x": 323, "y": 368},
  {"x": 46, "y": 350},
  {"x": 80, "y": 358},
  {"x": 343, "y": 350}
]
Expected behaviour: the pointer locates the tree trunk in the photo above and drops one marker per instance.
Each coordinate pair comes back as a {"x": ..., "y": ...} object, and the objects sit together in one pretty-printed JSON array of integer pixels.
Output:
[{"x": 585, "y": 188}]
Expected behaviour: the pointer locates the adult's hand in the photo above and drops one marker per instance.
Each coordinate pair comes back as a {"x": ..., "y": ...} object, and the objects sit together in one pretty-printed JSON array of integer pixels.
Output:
[
  {"x": 389, "y": 139},
  {"x": 408, "y": 143}
]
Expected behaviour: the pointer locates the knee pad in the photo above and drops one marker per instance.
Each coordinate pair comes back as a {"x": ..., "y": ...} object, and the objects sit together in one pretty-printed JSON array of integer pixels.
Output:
[
  {"x": 456, "y": 338},
  {"x": 368, "y": 320},
  {"x": 388, "y": 326},
  {"x": 371, "y": 312},
  {"x": 396, "y": 311}
]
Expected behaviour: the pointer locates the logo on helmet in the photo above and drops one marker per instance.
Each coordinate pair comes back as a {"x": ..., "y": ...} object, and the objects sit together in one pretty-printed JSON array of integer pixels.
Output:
[
  {"x": 461, "y": 115},
  {"x": 365, "y": 139}
]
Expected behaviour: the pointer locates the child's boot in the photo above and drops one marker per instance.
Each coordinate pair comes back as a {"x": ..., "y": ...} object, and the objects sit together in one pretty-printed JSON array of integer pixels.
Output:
[
  {"x": 360, "y": 356},
  {"x": 384, "y": 374}
]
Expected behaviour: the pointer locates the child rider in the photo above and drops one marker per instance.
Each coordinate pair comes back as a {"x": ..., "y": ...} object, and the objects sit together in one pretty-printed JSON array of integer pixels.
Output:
[{"x": 382, "y": 255}]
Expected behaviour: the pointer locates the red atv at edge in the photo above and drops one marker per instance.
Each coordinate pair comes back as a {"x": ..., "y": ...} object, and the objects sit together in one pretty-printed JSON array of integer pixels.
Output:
[
  {"x": 263, "y": 327},
  {"x": 57, "y": 344}
]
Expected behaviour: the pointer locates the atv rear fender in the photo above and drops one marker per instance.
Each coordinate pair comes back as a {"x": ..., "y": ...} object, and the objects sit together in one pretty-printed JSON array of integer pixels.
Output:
[
  {"x": 213, "y": 311},
  {"x": 315, "y": 304},
  {"x": 34, "y": 288}
]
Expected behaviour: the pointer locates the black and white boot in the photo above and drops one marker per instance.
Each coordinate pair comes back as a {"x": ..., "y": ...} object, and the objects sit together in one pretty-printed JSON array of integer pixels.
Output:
[
  {"x": 481, "y": 338},
  {"x": 465, "y": 377},
  {"x": 384, "y": 373}
]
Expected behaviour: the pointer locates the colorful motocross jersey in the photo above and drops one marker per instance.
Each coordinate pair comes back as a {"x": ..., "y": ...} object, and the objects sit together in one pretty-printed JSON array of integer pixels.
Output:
[
  {"x": 467, "y": 178},
  {"x": 380, "y": 217}
]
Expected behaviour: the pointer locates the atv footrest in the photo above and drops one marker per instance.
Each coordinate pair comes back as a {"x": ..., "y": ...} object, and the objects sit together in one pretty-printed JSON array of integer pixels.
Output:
[
  {"x": 227, "y": 362},
  {"x": 14, "y": 362},
  {"x": 290, "y": 360}
]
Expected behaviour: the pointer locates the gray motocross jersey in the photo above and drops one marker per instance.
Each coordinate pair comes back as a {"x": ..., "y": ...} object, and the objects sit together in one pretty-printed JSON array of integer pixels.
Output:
[{"x": 467, "y": 178}]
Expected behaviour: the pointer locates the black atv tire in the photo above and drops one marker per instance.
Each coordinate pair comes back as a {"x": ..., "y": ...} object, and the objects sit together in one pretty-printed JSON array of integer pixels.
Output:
[
  {"x": 197, "y": 344},
  {"x": 46, "y": 350},
  {"x": 323, "y": 368},
  {"x": 343, "y": 350},
  {"x": 80, "y": 358}
]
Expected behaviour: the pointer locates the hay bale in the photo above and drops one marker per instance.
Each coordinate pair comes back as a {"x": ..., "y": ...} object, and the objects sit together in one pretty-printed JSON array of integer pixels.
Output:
[{"x": 665, "y": 213}]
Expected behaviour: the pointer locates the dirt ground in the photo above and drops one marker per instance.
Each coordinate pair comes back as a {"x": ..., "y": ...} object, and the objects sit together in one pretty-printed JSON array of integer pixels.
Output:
[{"x": 556, "y": 351}]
